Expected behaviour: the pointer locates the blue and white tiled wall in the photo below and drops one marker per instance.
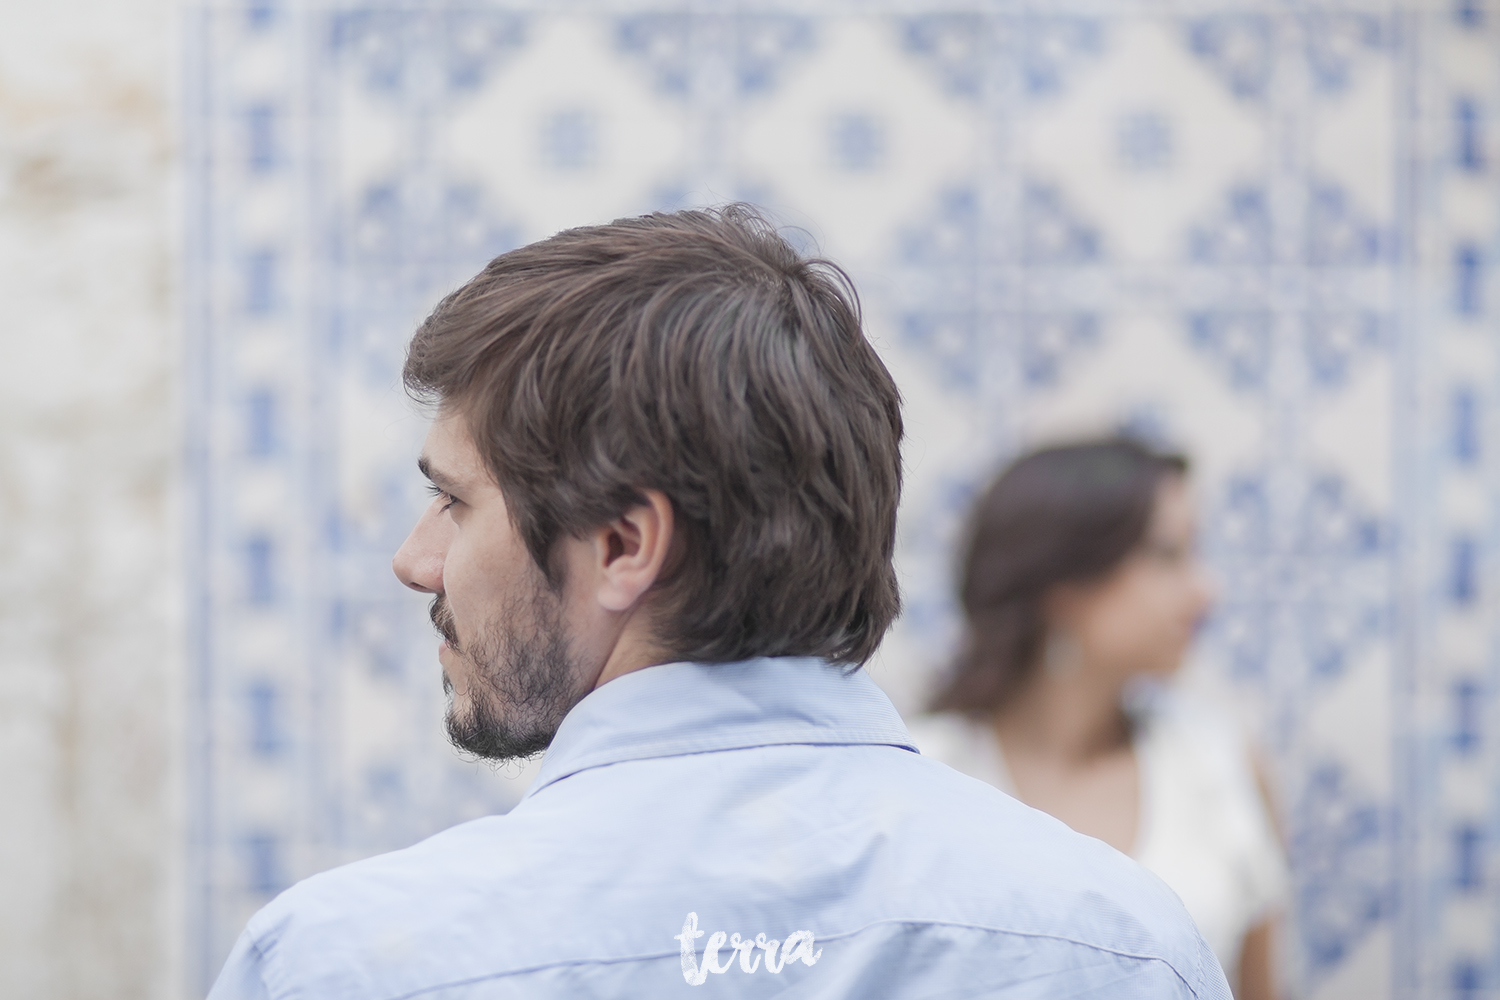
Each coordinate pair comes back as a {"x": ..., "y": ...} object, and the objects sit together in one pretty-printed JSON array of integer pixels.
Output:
[{"x": 1263, "y": 231}]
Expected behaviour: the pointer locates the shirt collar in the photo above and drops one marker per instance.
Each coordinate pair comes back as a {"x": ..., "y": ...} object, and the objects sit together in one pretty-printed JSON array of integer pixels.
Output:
[{"x": 684, "y": 708}]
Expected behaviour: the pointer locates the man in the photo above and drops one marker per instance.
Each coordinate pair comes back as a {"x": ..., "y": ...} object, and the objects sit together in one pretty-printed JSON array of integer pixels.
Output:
[{"x": 665, "y": 470}]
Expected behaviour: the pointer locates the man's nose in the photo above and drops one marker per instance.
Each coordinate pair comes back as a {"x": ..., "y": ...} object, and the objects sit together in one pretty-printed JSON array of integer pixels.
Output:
[{"x": 419, "y": 561}]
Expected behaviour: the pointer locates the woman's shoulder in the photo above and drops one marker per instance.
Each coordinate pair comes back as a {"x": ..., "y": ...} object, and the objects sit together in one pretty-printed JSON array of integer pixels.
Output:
[
  {"x": 1203, "y": 796},
  {"x": 1196, "y": 730},
  {"x": 1198, "y": 766}
]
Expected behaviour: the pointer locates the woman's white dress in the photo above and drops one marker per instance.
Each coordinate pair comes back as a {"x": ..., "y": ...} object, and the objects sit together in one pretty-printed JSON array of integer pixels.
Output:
[{"x": 1203, "y": 828}]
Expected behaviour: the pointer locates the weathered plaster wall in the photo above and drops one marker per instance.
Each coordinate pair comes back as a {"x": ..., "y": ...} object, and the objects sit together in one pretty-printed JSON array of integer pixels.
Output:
[{"x": 90, "y": 647}]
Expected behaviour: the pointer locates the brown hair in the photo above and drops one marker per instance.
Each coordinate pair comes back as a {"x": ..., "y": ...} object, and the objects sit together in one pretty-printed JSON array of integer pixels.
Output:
[
  {"x": 1057, "y": 515},
  {"x": 695, "y": 353}
]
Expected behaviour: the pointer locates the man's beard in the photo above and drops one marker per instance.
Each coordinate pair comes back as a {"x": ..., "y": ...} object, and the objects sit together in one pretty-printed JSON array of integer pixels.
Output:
[{"x": 521, "y": 679}]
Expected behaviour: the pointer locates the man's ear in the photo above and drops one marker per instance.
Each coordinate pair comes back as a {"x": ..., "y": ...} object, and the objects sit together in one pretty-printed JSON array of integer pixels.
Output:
[{"x": 630, "y": 552}]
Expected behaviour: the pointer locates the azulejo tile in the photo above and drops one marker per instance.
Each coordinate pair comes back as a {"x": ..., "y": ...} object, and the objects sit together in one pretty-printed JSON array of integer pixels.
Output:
[{"x": 1263, "y": 233}]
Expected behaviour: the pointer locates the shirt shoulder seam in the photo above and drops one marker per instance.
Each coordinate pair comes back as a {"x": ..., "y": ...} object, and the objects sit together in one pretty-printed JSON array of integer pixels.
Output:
[{"x": 666, "y": 750}]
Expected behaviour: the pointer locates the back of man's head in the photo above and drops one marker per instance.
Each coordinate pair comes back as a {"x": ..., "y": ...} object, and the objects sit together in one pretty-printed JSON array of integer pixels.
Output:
[{"x": 698, "y": 354}]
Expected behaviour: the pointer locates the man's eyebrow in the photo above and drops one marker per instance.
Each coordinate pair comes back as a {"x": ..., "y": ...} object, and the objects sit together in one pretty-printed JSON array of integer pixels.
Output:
[{"x": 435, "y": 476}]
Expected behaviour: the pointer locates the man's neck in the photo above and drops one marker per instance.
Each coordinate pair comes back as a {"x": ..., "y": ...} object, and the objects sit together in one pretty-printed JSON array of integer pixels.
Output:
[{"x": 635, "y": 649}]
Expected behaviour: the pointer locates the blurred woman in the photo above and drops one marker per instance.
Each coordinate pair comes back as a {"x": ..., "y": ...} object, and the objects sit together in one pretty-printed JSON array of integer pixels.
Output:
[{"x": 1079, "y": 582}]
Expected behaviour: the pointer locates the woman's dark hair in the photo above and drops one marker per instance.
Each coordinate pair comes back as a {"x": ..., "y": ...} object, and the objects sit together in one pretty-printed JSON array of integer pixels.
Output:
[
  {"x": 699, "y": 354},
  {"x": 1058, "y": 515}
]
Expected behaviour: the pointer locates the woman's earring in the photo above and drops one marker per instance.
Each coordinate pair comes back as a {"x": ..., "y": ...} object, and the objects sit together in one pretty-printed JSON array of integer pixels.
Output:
[{"x": 1060, "y": 654}]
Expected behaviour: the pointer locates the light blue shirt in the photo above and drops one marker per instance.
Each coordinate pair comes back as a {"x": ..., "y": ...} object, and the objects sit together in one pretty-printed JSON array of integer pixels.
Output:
[{"x": 746, "y": 829}]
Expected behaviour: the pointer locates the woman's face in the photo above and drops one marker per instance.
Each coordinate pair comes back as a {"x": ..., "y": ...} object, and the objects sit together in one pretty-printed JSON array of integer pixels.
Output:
[{"x": 1140, "y": 617}]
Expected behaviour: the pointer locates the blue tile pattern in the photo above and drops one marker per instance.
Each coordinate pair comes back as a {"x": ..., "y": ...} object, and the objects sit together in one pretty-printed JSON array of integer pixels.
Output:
[{"x": 1265, "y": 232}]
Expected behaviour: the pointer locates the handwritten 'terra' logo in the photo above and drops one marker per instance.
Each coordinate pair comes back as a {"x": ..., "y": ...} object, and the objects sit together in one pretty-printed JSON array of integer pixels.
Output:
[{"x": 798, "y": 945}]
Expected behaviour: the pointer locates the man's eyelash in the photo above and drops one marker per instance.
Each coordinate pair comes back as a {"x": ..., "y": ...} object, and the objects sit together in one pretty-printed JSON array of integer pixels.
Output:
[{"x": 437, "y": 491}]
